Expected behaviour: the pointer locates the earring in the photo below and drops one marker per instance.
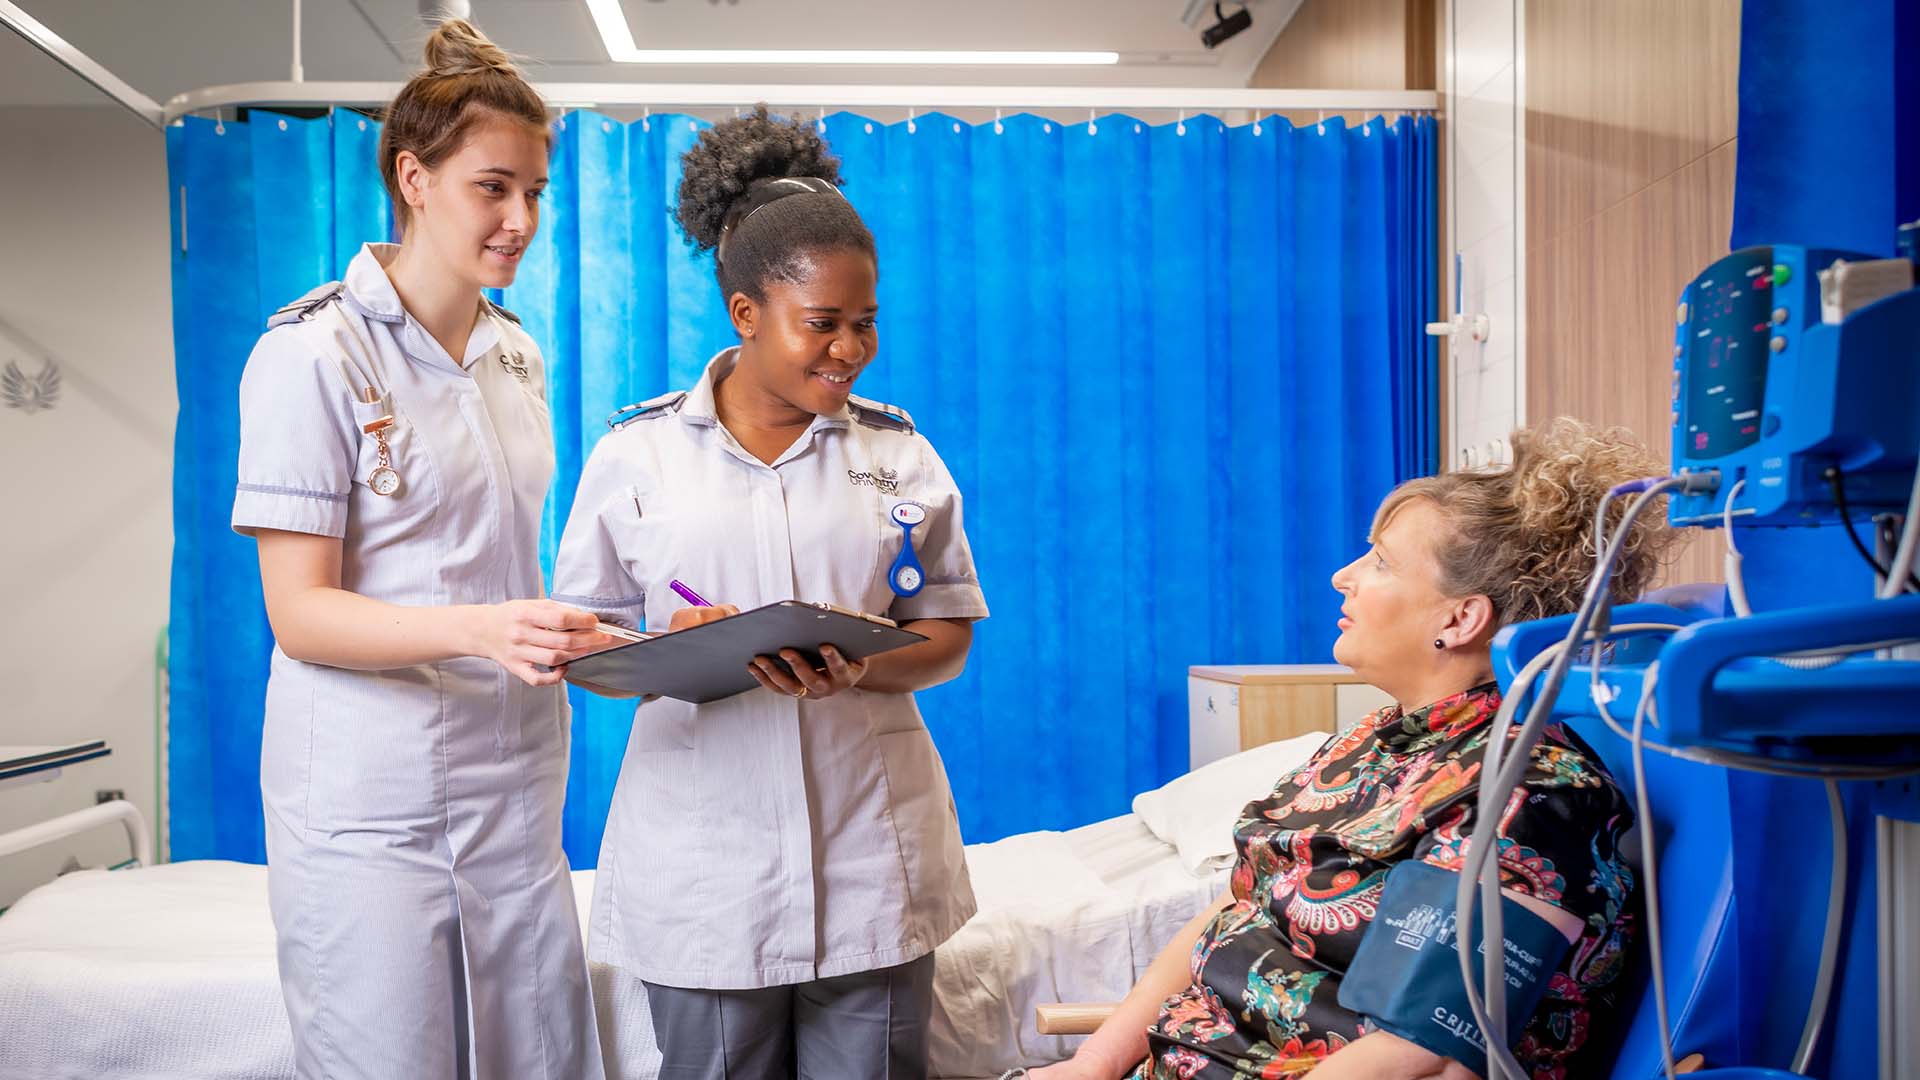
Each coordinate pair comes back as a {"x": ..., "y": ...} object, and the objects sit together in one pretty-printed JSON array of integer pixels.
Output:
[{"x": 1438, "y": 644}]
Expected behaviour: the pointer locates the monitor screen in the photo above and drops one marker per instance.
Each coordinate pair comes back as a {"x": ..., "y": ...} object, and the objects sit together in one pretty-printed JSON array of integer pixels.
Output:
[{"x": 1725, "y": 353}]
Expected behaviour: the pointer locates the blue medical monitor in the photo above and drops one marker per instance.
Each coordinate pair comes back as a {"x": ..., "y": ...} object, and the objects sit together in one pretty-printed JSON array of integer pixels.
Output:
[{"x": 1765, "y": 392}]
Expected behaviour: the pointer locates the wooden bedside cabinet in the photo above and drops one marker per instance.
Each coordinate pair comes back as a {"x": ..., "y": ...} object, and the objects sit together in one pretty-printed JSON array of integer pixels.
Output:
[{"x": 1234, "y": 707}]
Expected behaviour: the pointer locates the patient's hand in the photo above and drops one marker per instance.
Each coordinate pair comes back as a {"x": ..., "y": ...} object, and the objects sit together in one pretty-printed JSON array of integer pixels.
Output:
[{"x": 1382, "y": 1055}]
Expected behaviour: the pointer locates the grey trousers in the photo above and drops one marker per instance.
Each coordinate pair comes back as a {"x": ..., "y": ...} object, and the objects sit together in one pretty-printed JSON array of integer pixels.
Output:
[{"x": 867, "y": 1026}]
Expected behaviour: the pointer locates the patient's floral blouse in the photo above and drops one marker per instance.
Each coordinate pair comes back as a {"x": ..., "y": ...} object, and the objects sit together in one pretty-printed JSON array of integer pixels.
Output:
[{"x": 1314, "y": 856}]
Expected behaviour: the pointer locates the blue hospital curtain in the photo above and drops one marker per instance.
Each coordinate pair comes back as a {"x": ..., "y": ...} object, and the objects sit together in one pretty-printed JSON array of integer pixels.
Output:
[{"x": 1173, "y": 368}]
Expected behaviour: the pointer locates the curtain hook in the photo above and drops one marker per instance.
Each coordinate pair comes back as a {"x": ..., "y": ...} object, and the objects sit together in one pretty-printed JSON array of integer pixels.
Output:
[
  {"x": 1181, "y": 127},
  {"x": 998, "y": 128},
  {"x": 1321, "y": 124},
  {"x": 912, "y": 118},
  {"x": 646, "y": 118}
]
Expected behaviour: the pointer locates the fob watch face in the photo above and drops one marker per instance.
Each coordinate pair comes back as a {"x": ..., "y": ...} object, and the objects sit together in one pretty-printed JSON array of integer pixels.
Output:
[
  {"x": 908, "y": 578},
  {"x": 384, "y": 481}
]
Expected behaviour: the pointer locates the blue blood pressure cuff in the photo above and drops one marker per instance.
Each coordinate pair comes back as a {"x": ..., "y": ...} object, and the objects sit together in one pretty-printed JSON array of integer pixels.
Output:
[{"x": 1405, "y": 977}]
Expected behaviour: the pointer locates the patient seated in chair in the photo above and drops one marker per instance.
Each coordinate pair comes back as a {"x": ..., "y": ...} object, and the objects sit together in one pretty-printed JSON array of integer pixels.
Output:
[{"x": 1253, "y": 987}]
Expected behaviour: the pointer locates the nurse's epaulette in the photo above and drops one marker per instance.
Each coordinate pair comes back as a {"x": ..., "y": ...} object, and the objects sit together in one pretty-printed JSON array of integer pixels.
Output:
[
  {"x": 878, "y": 414},
  {"x": 304, "y": 307},
  {"x": 503, "y": 312},
  {"x": 664, "y": 405}
]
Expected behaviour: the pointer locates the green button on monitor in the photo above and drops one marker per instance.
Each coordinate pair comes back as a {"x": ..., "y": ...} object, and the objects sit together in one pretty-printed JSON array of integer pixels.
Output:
[{"x": 1782, "y": 273}]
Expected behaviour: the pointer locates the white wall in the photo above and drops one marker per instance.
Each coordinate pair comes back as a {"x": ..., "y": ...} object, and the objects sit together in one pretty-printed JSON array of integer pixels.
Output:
[
  {"x": 1485, "y": 67},
  {"x": 86, "y": 488}
]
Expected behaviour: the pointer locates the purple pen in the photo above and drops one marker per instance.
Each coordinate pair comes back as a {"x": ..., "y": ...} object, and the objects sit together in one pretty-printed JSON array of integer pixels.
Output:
[{"x": 687, "y": 594}]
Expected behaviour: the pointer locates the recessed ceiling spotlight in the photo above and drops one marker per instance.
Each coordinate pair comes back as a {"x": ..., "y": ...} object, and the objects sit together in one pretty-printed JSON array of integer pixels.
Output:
[{"x": 618, "y": 37}]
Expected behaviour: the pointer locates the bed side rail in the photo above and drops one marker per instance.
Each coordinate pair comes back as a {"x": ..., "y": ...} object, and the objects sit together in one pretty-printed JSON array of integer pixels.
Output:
[{"x": 59, "y": 828}]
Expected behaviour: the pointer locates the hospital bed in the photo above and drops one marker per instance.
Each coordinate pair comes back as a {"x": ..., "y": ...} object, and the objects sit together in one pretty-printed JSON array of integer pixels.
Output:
[{"x": 169, "y": 970}]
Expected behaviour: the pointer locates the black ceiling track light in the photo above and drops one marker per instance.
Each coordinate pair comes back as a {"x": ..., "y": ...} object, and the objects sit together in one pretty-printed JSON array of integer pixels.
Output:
[{"x": 1225, "y": 26}]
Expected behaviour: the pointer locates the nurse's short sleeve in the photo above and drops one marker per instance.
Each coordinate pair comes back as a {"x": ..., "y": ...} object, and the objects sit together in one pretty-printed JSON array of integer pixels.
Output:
[
  {"x": 298, "y": 439},
  {"x": 589, "y": 571},
  {"x": 952, "y": 589}
]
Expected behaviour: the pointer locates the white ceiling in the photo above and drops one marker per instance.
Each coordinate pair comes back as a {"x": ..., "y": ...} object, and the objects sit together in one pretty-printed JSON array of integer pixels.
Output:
[{"x": 164, "y": 47}]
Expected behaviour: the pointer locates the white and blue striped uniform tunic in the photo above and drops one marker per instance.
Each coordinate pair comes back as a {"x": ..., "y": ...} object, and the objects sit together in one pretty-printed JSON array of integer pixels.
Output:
[
  {"x": 421, "y": 899},
  {"x": 763, "y": 840}
]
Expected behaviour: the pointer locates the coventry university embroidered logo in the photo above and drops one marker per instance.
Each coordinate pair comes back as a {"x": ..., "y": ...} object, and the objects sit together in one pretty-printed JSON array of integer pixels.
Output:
[
  {"x": 30, "y": 393},
  {"x": 883, "y": 478},
  {"x": 516, "y": 365}
]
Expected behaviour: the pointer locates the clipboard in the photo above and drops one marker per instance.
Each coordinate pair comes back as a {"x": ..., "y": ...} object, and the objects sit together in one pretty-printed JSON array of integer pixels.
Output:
[{"x": 709, "y": 662}]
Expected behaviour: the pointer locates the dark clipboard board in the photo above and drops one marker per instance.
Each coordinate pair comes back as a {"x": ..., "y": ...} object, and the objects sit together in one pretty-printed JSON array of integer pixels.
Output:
[{"x": 709, "y": 661}]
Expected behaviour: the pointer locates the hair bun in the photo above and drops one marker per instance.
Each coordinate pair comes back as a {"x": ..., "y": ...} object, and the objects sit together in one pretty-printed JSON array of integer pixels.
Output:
[
  {"x": 1561, "y": 472},
  {"x": 1562, "y": 469},
  {"x": 731, "y": 155},
  {"x": 457, "y": 48},
  {"x": 468, "y": 80}
]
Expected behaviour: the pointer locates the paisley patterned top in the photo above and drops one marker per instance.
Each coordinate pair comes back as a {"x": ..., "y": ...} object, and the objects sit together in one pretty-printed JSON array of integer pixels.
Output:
[{"x": 1313, "y": 859}]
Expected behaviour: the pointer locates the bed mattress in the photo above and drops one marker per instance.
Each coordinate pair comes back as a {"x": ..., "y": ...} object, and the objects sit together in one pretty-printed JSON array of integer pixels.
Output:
[{"x": 169, "y": 970}]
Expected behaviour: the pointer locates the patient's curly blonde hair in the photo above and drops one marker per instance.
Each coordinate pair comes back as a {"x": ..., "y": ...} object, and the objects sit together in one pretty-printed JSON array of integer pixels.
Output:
[{"x": 1522, "y": 536}]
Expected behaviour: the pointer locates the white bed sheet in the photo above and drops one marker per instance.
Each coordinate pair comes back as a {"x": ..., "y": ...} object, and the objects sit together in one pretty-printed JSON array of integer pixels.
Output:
[
  {"x": 1064, "y": 917},
  {"x": 169, "y": 971}
]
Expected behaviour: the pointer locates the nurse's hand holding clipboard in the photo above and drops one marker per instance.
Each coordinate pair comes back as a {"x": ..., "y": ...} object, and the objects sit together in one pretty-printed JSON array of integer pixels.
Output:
[{"x": 793, "y": 675}]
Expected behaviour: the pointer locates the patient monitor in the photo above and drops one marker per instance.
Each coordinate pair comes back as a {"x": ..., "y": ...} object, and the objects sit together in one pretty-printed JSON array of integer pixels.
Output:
[
  {"x": 1796, "y": 432},
  {"x": 1792, "y": 365}
]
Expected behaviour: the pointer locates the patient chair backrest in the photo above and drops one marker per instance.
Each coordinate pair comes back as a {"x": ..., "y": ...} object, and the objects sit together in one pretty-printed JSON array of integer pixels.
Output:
[
  {"x": 1700, "y": 600},
  {"x": 1692, "y": 826},
  {"x": 1692, "y": 820}
]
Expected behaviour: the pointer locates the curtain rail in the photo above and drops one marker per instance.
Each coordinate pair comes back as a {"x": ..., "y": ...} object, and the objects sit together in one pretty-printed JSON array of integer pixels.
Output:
[
  {"x": 317, "y": 94},
  {"x": 35, "y": 32}
]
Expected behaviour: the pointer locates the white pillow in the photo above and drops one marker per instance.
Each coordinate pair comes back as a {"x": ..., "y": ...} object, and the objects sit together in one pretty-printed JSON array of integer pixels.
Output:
[{"x": 1196, "y": 812}]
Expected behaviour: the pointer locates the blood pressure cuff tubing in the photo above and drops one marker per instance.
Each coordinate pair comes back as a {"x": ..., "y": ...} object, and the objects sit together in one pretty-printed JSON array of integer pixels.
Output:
[{"x": 1405, "y": 977}]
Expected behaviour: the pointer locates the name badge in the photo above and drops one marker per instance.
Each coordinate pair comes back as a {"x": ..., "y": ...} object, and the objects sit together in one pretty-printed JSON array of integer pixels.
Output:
[{"x": 906, "y": 576}]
